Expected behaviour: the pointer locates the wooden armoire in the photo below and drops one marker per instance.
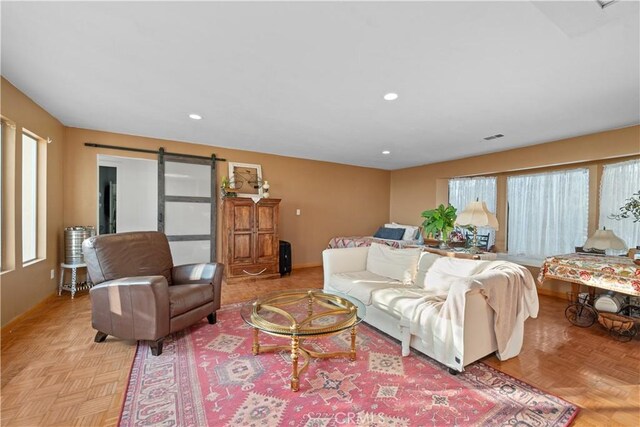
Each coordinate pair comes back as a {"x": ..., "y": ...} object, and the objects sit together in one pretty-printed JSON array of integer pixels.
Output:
[{"x": 250, "y": 241}]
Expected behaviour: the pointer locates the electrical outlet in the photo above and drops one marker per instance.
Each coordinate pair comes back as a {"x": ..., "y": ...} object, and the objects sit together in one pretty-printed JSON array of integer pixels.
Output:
[
  {"x": 53, "y": 274},
  {"x": 298, "y": 212}
]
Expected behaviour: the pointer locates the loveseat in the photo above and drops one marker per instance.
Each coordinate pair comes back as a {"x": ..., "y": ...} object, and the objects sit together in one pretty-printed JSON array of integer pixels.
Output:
[{"x": 455, "y": 311}]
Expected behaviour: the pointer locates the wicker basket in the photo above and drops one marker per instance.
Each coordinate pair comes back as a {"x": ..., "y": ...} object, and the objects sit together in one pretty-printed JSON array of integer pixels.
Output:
[{"x": 616, "y": 322}]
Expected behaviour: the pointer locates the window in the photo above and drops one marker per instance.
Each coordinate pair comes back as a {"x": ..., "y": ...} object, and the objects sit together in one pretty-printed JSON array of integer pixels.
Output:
[
  {"x": 2, "y": 202},
  {"x": 463, "y": 191},
  {"x": 29, "y": 198},
  {"x": 619, "y": 182},
  {"x": 548, "y": 212},
  {"x": 7, "y": 199}
]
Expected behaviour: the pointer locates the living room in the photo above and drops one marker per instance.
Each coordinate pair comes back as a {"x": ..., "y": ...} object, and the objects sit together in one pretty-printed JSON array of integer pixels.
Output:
[{"x": 321, "y": 197}]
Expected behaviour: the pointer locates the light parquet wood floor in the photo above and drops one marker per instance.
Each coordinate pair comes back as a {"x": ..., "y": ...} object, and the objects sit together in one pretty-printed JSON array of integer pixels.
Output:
[{"x": 53, "y": 373}]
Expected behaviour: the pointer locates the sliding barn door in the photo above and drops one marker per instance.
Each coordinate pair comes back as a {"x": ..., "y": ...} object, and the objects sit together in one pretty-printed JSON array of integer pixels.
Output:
[{"x": 187, "y": 206}]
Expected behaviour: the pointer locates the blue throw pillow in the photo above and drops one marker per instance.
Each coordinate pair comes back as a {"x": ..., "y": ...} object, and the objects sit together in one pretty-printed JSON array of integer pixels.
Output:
[{"x": 389, "y": 233}]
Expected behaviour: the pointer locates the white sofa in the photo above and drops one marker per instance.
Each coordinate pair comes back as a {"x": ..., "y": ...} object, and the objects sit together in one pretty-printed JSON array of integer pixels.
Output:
[{"x": 453, "y": 310}]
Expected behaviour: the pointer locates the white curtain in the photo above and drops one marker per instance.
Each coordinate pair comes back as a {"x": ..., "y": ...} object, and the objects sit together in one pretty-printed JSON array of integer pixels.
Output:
[
  {"x": 619, "y": 182},
  {"x": 548, "y": 212},
  {"x": 463, "y": 191}
]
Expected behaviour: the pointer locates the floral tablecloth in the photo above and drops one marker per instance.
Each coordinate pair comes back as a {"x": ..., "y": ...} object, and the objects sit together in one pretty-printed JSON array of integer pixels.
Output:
[{"x": 613, "y": 273}]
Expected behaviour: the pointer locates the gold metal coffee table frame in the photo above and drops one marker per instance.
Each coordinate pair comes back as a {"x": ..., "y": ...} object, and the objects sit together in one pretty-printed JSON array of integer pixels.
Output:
[{"x": 325, "y": 315}]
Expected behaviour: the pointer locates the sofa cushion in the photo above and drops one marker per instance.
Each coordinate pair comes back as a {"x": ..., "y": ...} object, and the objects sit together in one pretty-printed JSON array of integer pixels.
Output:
[
  {"x": 401, "y": 301},
  {"x": 425, "y": 262},
  {"x": 446, "y": 270},
  {"x": 398, "y": 264},
  {"x": 361, "y": 284},
  {"x": 389, "y": 233},
  {"x": 183, "y": 298}
]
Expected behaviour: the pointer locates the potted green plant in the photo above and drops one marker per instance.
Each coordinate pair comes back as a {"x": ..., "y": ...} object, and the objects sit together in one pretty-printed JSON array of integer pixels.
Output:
[
  {"x": 226, "y": 189},
  {"x": 439, "y": 222}
]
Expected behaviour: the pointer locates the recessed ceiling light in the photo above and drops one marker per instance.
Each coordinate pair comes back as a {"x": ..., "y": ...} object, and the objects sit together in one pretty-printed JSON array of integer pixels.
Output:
[
  {"x": 386, "y": 152},
  {"x": 390, "y": 96},
  {"x": 492, "y": 137},
  {"x": 195, "y": 116}
]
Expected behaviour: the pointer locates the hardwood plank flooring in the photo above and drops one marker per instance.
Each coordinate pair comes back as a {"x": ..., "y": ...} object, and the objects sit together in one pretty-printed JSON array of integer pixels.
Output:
[{"x": 53, "y": 373}]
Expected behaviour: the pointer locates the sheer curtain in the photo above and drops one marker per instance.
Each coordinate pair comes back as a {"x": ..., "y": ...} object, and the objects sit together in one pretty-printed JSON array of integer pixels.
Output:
[
  {"x": 463, "y": 191},
  {"x": 548, "y": 212},
  {"x": 619, "y": 182}
]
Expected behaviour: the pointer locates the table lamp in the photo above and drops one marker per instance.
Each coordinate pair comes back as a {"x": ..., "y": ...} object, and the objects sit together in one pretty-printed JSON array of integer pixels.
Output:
[
  {"x": 477, "y": 215},
  {"x": 605, "y": 240}
]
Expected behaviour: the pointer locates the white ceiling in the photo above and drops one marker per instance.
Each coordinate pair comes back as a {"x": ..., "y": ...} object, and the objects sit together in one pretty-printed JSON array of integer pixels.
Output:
[{"x": 307, "y": 79}]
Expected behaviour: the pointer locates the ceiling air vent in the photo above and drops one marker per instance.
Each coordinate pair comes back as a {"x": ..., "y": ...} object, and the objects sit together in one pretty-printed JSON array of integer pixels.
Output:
[
  {"x": 605, "y": 3},
  {"x": 496, "y": 136}
]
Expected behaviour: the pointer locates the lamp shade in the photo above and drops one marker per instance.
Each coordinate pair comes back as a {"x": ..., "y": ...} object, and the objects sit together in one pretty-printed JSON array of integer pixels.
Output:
[
  {"x": 605, "y": 239},
  {"x": 476, "y": 213}
]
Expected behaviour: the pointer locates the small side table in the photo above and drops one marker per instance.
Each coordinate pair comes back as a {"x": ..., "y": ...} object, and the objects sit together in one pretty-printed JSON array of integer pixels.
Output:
[{"x": 74, "y": 285}]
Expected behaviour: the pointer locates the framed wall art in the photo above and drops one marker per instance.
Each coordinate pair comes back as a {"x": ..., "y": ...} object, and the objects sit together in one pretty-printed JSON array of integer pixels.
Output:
[{"x": 246, "y": 179}]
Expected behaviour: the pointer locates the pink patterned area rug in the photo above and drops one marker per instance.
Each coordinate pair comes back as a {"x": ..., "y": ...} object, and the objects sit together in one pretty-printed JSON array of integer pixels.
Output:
[{"x": 207, "y": 376}]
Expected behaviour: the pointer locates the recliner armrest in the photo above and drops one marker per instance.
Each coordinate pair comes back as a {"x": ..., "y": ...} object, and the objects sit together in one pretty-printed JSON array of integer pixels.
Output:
[
  {"x": 132, "y": 307},
  {"x": 200, "y": 273},
  {"x": 197, "y": 273}
]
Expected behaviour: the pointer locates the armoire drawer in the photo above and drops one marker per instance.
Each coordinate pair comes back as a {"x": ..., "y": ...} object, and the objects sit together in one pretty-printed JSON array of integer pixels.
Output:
[{"x": 255, "y": 270}]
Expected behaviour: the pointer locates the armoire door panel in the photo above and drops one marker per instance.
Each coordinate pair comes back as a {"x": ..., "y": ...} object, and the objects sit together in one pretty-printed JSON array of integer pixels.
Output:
[
  {"x": 266, "y": 246},
  {"x": 243, "y": 218},
  {"x": 242, "y": 249},
  {"x": 266, "y": 218}
]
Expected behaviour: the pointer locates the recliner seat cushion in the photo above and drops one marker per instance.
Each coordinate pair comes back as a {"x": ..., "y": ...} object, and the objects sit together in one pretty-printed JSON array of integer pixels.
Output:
[
  {"x": 183, "y": 298},
  {"x": 361, "y": 284}
]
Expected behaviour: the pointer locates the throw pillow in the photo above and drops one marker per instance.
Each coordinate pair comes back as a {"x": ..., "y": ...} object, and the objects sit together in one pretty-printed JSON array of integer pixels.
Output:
[
  {"x": 424, "y": 264},
  {"x": 399, "y": 264},
  {"x": 389, "y": 233},
  {"x": 446, "y": 270},
  {"x": 410, "y": 231}
]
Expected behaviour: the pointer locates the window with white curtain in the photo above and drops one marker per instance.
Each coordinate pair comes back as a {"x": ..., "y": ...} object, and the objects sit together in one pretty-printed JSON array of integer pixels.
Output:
[
  {"x": 548, "y": 212},
  {"x": 619, "y": 182},
  {"x": 463, "y": 191},
  {"x": 29, "y": 198}
]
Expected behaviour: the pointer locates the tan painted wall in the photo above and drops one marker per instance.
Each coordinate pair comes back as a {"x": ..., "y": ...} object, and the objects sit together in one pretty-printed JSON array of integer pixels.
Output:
[
  {"x": 334, "y": 199},
  {"x": 414, "y": 190},
  {"x": 24, "y": 287}
]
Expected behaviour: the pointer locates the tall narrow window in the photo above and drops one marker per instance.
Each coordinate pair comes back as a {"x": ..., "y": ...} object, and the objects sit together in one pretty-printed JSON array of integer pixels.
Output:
[
  {"x": 463, "y": 191},
  {"x": 7, "y": 189},
  {"x": 620, "y": 181},
  {"x": 2, "y": 196},
  {"x": 29, "y": 198},
  {"x": 548, "y": 212}
]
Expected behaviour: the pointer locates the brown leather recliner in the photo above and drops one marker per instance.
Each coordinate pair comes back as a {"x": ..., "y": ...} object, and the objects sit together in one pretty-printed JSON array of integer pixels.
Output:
[{"x": 140, "y": 295}]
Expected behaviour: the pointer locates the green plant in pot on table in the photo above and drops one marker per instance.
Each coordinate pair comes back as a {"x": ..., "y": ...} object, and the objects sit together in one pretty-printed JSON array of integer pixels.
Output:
[
  {"x": 439, "y": 222},
  {"x": 631, "y": 209}
]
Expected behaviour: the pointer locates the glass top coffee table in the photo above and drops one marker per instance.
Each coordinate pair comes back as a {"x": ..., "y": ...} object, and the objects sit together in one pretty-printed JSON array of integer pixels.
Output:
[{"x": 299, "y": 315}]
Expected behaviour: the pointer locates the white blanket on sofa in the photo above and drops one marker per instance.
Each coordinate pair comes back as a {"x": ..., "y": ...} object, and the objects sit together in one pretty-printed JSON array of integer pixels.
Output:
[{"x": 509, "y": 290}]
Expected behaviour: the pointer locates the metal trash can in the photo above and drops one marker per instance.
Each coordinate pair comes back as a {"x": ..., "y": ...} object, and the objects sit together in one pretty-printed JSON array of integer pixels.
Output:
[{"x": 73, "y": 238}]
